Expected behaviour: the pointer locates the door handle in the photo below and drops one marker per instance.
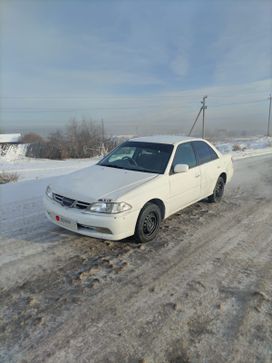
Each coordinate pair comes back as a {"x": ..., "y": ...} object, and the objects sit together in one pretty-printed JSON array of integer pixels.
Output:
[{"x": 197, "y": 176}]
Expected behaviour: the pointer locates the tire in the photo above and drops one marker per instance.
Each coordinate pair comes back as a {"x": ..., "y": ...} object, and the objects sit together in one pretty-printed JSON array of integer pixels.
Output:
[
  {"x": 218, "y": 191},
  {"x": 148, "y": 223}
]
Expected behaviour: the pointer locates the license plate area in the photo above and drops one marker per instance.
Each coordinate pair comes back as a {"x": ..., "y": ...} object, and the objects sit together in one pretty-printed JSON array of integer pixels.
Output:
[
  {"x": 63, "y": 221},
  {"x": 68, "y": 223}
]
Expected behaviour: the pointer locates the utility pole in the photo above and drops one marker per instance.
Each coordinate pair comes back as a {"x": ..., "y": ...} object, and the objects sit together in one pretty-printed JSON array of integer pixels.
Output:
[
  {"x": 195, "y": 121},
  {"x": 269, "y": 115},
  {"x": 103, "y": 130},
  {"x": 204, "y": 107}
]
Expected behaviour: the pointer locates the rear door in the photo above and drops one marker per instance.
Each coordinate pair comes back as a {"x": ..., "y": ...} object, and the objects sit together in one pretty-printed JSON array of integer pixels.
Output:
[
  {"x": 184, "y": 187},
  {"x": 210, "y": 166}
]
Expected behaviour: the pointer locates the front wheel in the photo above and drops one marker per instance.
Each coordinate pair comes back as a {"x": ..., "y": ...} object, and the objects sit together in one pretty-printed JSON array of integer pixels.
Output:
[
  {"x": 218, "y": 191},
  {"x": 148, "y": 223}
]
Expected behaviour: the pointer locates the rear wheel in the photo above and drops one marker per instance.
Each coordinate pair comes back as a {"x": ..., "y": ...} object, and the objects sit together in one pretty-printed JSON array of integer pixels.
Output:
[
  {"x": 218, "y": 191},
  {"x": 148, "y": 223}
]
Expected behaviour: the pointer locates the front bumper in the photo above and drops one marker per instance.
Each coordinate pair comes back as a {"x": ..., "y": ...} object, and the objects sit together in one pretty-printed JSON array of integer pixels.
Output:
[{"x": 103, "y": 226}]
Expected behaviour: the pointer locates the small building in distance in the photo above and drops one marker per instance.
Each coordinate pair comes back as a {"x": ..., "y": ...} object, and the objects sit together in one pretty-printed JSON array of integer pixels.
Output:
[{"x": 10, "y": 138}]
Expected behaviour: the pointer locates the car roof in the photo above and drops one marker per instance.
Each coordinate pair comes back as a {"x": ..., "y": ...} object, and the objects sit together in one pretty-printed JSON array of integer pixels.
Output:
[{"x": 165, "y": 139}]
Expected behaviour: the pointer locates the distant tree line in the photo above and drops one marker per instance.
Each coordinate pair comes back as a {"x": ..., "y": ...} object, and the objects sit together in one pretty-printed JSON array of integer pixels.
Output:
[{"x": 82, "y": 139}]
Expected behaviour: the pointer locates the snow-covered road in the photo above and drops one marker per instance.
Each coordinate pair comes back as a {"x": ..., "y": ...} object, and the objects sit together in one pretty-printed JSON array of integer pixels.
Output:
[{"x": 201, "y": 292}]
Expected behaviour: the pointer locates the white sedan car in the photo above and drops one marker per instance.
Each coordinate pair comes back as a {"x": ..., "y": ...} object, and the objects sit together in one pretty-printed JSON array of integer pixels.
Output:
[{"x": 136, "y": 186}]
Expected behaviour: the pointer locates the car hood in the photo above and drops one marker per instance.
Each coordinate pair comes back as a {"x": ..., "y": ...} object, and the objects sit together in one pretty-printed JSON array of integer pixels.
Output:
[{"x": 99, "y": 182}]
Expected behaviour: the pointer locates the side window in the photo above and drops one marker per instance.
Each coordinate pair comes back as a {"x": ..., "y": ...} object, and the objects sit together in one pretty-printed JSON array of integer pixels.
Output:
[
  {"x": 185, "y": 155},
  {"x": 213, "y": 154},
  {"x": 204, "y": 152}
]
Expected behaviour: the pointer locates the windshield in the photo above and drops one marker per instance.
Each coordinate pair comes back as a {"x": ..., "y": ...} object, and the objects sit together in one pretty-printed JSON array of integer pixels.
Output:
[{"x": 139, "y": 156}]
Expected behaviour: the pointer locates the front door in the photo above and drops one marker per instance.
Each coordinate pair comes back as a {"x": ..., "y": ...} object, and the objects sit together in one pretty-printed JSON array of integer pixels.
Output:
[{"x": 184, "y": 187}]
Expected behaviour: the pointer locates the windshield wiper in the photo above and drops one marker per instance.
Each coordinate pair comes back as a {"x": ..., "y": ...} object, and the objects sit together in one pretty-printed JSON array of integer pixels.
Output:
[
  {"x": 145, "y": 171},
  {"x": 112, "y": 166},
  {"x": 132, "y": 169}
]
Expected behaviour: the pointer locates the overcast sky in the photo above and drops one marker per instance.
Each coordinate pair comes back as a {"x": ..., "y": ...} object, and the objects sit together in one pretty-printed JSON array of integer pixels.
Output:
[{"x": 141, "y": 66}]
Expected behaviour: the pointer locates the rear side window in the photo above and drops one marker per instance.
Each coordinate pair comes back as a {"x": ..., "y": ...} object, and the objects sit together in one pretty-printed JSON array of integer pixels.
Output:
[
  {"x": 185, "y": 155},
  {"x": 204, "y": 152}
]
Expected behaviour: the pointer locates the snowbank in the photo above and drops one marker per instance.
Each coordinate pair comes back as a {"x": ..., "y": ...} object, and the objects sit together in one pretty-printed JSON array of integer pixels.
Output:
[
  {"x": 10, "y": 153},
  {"x": 246, "y": 147},
  {"x": 28, "y": 168},
  {"x": 243, "y": 144},
  {"x": 251, "y": 153},
  {"x": 13, "y": 160}
]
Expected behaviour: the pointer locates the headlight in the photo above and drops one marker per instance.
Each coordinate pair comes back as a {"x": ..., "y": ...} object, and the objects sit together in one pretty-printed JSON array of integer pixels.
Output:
[
  {"x": 49, "y": 192},
  {"x": 109, "y": 207}
]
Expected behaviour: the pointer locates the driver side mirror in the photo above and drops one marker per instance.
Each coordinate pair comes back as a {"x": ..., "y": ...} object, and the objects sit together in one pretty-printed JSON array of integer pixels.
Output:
[{"x": 181, "y": 168}]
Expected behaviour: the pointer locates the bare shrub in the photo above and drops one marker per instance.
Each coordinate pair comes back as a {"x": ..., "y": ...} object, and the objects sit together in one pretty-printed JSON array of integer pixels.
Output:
[
  {"x": 56, "y": 146},
  {"x": 8, "y": 177},
  {"x": 84, "y": 139},
  {"x": 36, "y": 145},
  {"x": 236, "y": 147},
  {"x": 77, "y": 140},
  {"x": 36, "y": 150},
  {"x": 31, "y": 138}
]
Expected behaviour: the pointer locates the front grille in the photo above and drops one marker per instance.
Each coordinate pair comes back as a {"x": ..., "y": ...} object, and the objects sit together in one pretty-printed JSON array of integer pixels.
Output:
[{"x": 68, "y": 202}]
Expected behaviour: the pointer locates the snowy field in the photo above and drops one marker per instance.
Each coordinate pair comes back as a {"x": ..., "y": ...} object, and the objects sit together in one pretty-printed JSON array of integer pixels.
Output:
[
  {"x": 15, "y": 161},
  {"x": 30, "y": 169}
]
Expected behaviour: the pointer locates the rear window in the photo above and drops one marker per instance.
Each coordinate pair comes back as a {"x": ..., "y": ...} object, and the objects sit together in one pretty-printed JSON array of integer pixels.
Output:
[{"x": 204, "y": 152}]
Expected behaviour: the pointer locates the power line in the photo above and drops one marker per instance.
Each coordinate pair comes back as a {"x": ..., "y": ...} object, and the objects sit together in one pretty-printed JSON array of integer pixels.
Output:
[
  {"x": 115, "y": 97},
  {"x": 45, "y": 110},
  {"x": 238, "y": 103}
]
